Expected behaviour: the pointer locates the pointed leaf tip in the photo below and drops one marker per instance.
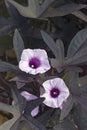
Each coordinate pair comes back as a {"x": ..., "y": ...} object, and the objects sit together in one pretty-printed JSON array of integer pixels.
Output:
[{"x": 18, "y": 44}]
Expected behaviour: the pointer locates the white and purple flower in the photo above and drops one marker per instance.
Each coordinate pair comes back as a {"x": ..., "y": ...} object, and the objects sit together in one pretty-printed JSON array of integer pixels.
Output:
[
  {"x": 34, "y": 61},
  {"x": 30, "y": 97},
  {"x": 56, "y": 93}
]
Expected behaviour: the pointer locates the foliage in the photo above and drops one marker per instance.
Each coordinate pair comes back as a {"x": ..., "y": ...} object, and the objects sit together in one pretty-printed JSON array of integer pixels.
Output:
[{"x": 59, "y": 28}]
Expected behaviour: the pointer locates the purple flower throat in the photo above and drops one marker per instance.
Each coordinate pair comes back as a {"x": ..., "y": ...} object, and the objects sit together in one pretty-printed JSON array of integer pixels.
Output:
[
  {"x": 55, "y": 92},
  {"x": 34, "y": 63}
]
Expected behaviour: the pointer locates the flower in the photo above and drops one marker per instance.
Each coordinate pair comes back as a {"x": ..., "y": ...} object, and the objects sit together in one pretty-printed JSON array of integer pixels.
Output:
[
  {"x": 34, "y": 61},
  {"x": 56, "y": 93},
  {"x": 30, "y": 97}
]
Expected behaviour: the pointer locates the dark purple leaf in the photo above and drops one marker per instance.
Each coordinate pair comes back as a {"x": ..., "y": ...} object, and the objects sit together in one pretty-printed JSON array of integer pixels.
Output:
[
  {"x": 18, "y": 44},
  {"x": 23, "y": 78},
  {"x": 79, "y": 57},
  {"x": 60, "y": 50},
  {"x": 31, "y": 105},
  {"x": 63, "y": 10},
  {"x": 74, "y": 68},
  {"x": 7, "y": 28},
  {"x": 34, "y": 124},
  {"x": 5, "y": 66},
  {"x": 33, "y": 9},
  {"x": 50, "y": 42},
  {"x": 65, "y": 125},
  {"x": 82, "y": 101},
  {"x": 17, "y": 18},
  {"x": 27, "y": 113},
  {"x": 83, "y": 89},
  {"x": 45, "y": 116},
  {"x": 4, "y": 22},
  {"x": 72, "y": 79},
  {"x": 26, "y": 125},
  {"x": 66, "y": 107},
  {"x": 79, "y": 39},
  {"x": 79, "y": 115},
  {"x": 19, "y": 101}
]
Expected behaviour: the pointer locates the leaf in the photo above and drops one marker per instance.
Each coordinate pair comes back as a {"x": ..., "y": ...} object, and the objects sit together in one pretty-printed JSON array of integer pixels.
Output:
[
  {"x": 57, "y": 49},
  {"x": 66, "y": 107},
  {"x": 33, "y": 10},
  {"x": 50, "y": 42},
  {"x": 15, "y": 21},
  {"x": 6, "y": 26},
  {"x": 19, "y": 101},
  {"x": 4, "y": 21},
  {"x": 44, "y": 6},
  {"x": 63, "y": 10},
  {"x": 31, "y": 105},
  {"x": 25, "y": 125},
  {"x": 79, "y": 115},
  {"x": 72, "y": 80},
  {"x": 20, "y": 85},
  {"x": 78, "y": 59},
  {"x": 16, "y": 110},
  {"x": 82, "y": 101},
  {"x": 15, "y": 121},
  {"x": 79, "y": 39},
  {"x": 27, "y": 114},
  {"x": 22, "y": 78},
  {"x": 80, "y": 56},
  {"x": 83, "y": 89},
  {"x": 18, "y": 44},
  {"x": 24, "y": 11},
  {"x": 45, "y": 116},
  {"x": 16, "y": 115},
  {"x": 74, "y": 68},
  {"x": 15, "y": 16},
  {"x": 55, "y": 64},
  {"x": 5, "y": 66},
  {"x": 80, "y": 15},
  {"x": 34, "y": 6},
  {"x": 60, "y": 50},
  {"x": 34, "y": 124},
  {"x": 65, "y": 125}
]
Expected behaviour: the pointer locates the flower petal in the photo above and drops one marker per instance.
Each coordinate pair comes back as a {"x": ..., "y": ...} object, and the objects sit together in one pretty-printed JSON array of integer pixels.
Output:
[
  {"x": 50, "y": 101},
  {"x": 23, "y": 65},
  {"x": 35, "y": 111},
  {"x": 30, "y": 97},
  {"x": 57, "y": 100},
  {"x": 27, "y": 54},
  {"x": 40, "y": 55},
  {"x": 47, "y": 86}
]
